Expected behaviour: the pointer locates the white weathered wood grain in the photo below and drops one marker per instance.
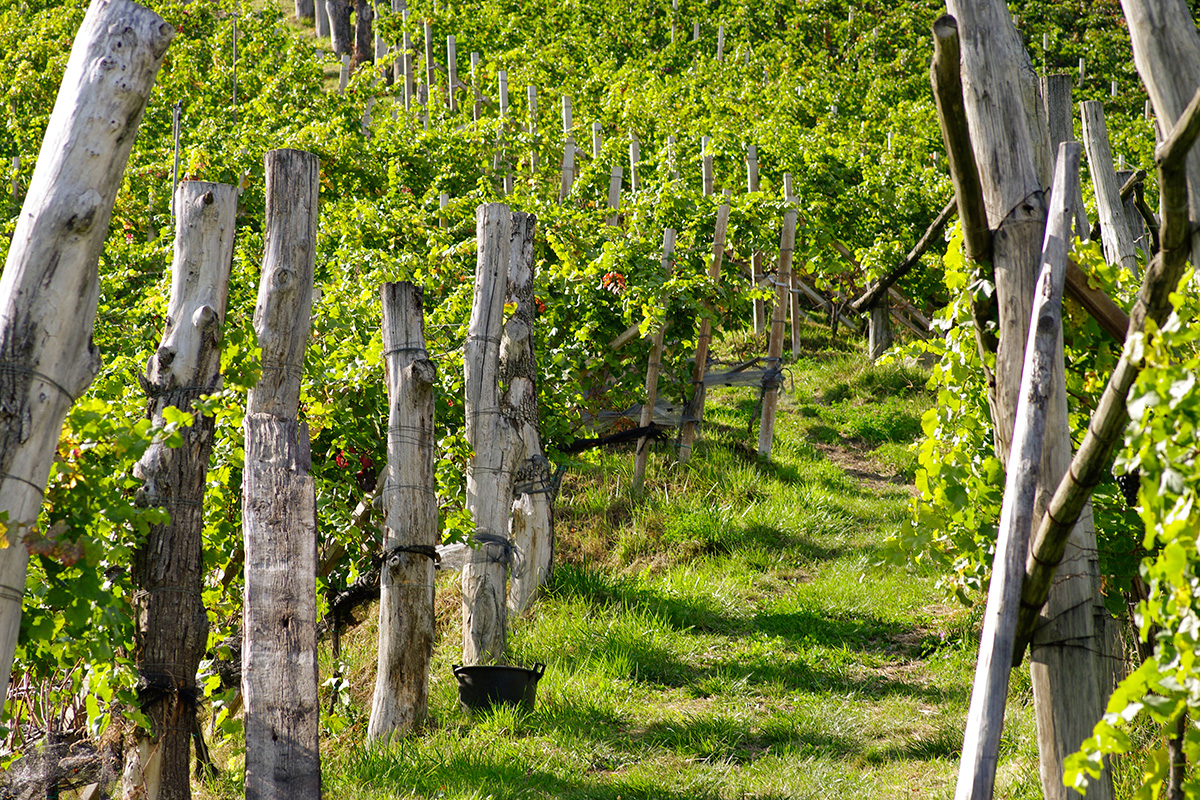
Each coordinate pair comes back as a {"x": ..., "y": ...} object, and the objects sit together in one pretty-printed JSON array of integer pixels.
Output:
[
  {"x": 171, "y": 625},
  {"x": 49, "y": 287},
  {"x": 279, "y": 644},
  {"x": 1114, "y": 231},
  {"x": 406, "y": 632}
]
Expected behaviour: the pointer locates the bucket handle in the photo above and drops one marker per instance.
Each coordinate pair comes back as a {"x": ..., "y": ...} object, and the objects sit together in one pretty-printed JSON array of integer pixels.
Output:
[{"x": 539, "y": 669}]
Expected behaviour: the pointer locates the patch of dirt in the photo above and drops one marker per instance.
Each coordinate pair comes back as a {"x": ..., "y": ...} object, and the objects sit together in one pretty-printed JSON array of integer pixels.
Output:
[{"x": 855, "y": 462}]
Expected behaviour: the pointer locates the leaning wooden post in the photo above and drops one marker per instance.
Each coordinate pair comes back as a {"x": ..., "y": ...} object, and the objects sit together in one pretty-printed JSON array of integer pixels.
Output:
[
  {"x": 171, "y": 632},
  {"x": 652, "y": 370},
  {"x": 279, "y": 632},
  {"x": 49, "y": 286},
  {"x": 532, "y": 525},
  {"x": 879, "y": 335},
  {"x": 693, "y": 415},
  {"x": 401, "y": 698},
  {"x": 756, "y": 271},
  {"x": 491, "y": 435},
  {"x": 783, "y": 275},
  {"x": 985, "y": 719},
  {"x": 1114, "y": 232},
  {"x": 1003, "y": 111}
]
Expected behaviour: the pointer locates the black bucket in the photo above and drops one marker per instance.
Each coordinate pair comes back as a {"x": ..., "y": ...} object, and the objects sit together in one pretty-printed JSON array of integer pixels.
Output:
[{"x": 484, "y": 685}]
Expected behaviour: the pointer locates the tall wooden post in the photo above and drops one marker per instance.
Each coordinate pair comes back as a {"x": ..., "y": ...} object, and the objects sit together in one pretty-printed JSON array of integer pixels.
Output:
[
  {"x": 430, "y": 70},
  {"x": 452, "y": 74},
  {"x": 652, "y": 370},
  {"x": 1114, "y": 232},
  {"x": 693, "y": 415},
  {"x": 756, "y": 272},
  {"x": 532, "y": 525},
  {"x": 635, "y": 155},
  {"x": 614, "y": 194},
  {"x": 879, "y": 335},
  {"x": 321, "y": 19},
  {"x": 533, "y": 130},
  {"x": 567, "y": 179},
  {"x": 1056, "y": 97},
  {"x": 477, "y": 108},
  {"x": 407, "y": 56},
  {"x": 49, "y": 286},
  {"x": 1003, "y": 111},
  {"x": 783, "y": 277},
  {"x": 279, "y": 632},
  {"x": 398, "y": 7},
  {"x": 597, "y": 141},
  {"x": 401, "y": 698},
  {"x": 171, "y": 633},
  {"x": 491, "y": 435},
  {"x": 706, "y": 165},
  {"x": 985, "y": 719},
  {"x": 341, "y": 36}
]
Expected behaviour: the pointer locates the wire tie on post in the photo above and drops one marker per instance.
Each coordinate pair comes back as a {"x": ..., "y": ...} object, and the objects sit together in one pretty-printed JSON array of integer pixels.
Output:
[
  {"x": 21, "y": 369},
  {"x": 19, "y": 479}
]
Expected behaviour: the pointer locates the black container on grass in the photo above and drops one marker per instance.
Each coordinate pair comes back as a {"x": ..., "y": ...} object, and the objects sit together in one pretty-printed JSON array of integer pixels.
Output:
[{"x": 483, "y": 685}]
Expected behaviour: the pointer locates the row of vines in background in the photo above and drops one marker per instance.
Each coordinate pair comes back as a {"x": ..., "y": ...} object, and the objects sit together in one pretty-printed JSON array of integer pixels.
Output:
[{"x": 834, "y": 93}]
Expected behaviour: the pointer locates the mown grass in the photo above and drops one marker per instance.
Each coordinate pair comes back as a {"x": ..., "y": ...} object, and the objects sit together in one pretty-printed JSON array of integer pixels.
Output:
[{"x": 730, "y": 634}]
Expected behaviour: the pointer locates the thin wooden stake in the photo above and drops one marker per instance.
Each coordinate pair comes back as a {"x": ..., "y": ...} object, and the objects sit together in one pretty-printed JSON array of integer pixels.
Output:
[
  {"x": 533, "y": 130},
  {"x": 720, "y": 41},
  {"x": 407, "y": 57},
  {"x": 693, "y": 415},
  {"x": 635, "y": 155},
  {"x": 452, "y": 72},
  {"x": 478, "y": 108},
  {"x": 756, "y": 270},
  {"x": 706, "y": 165},
  {"x": 652, "y": 370},
  {"x": 597, "y": 144},
  {"x": 344, "y": 74},
  {"x": 430, "y": 69},
  {"x": 614, "y": 193},
  {"x": 783, "y": 274}
]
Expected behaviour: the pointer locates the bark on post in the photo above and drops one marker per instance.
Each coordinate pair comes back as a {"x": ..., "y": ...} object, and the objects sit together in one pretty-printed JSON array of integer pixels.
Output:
[
  {"x": 49, "y": 286},
  {"x": 985, "y": 719},
  {"x": 693, "y": 415},
  {"x": 783, "y": 275},
  {"x": 532, "y": 525},
  {"x": 401, "y": 699},
  {"x": 279, "y": 644},
  {"x": 1114, "y": 232},
  {"x": 305, "y": 9},
  {"x": 171, "y": 632},
  {"x": 879, "y": 334},
  {"x": 756, "y": 273},
  {"x": 652, "y": 370},
  {"x": 1008, "y": 134},
  {"x": 491, "y": 435},
  {"x": 341, "y": 37}
]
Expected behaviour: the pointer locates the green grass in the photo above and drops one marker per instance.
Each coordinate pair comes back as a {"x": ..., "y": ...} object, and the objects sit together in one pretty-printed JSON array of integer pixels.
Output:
[{"x": 730, "y": 634}]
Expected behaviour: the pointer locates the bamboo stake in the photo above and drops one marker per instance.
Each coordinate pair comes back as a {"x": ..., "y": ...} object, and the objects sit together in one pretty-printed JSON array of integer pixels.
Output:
[
  {"x": 787, "y": 244},
  {"x": 652, "y": 370},
  {"x": 693, "y": 415},
  {"x": 985, "y": 719}
]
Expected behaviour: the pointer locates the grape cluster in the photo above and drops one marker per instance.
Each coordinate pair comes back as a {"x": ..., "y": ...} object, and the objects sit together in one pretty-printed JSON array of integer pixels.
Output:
[{"x": 1129, "y": 483}]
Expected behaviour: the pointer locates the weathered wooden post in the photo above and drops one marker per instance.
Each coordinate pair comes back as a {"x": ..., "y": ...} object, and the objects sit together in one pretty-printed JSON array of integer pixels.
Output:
[
  {"x": 477, "y": 108},
  {"x": 1114, "y": 232},
  {"x": 531, "y": 92},
  {"x": 693, "y": 415},
  {"x": 794, "y": 308},
  {"x": 452, "y": 74},
  {"x": 279, "y": 631},
  {"x": 364, "y": 41},
  {"x": 381, "y": 47},
  {"x": 635, "y": 155},
  {"x": 49, "y": 286},
  {"x": 652, "y": 370},
  {"x": 490, "y": 434},
  {"x": 341, "y": 37},
  {"x": 406, "y": 57},
  {"x": 756, "y": 273},
  {"x": 1136, "y": 224},
  {"x": 720, "y": 41},
  {"x": 401, "y": 698},
  {"x": 614, "y": 194},
  {"x": 501, "y": 155},
  {"x": 1002, "y": 109},
  {"x": 321, "y": 20},
  {"x": 531, "y": 527},
  {"x": 706, "y": 165},
  {"x": 783, "y": 275},
  {"x": 567, "y": 179},
  {"x": 171, "y": 632},
  {"x": 985, "y": 719},
  {"x": 344, "y": 74},
  {"x": 879, "y": 331},
  {"x": 305, "y": 10},
  {"x": 1056, "y": 98},
  {"x": 430, "y": 69}
]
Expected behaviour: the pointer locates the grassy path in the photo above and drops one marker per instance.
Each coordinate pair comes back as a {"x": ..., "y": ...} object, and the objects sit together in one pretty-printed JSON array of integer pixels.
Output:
[{"x": 730, "y": 635}]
